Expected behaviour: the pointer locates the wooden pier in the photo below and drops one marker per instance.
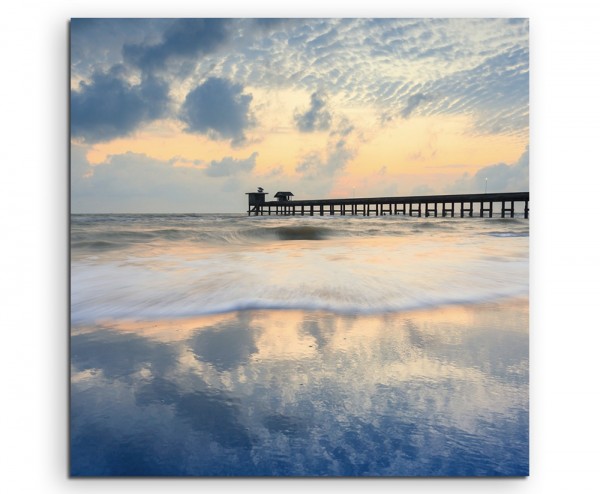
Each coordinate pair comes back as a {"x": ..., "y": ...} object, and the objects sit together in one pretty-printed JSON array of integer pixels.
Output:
[{"x": 482, "y": 205}]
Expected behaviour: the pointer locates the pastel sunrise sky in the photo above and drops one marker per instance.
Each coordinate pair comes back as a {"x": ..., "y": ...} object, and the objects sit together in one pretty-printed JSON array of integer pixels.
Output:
[{"x": 186, "y": 115}]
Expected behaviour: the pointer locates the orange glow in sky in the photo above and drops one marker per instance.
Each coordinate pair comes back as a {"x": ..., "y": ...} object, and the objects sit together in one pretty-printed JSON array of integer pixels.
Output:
[{"x": 324, "y": 107}]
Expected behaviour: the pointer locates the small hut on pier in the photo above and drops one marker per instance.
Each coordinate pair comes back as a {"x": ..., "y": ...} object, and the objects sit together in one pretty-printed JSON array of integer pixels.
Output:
[
  {"x": 256, "y": 198},
  {"x": 284, "y": 196}
]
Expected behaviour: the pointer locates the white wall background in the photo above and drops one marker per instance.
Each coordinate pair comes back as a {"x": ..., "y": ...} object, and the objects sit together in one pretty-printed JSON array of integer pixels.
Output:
[{"x": 565, "y": 77}]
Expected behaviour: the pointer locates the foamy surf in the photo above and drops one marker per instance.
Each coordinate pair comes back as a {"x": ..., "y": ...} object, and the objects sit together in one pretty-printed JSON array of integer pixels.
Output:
[{"x": 166, "y": 266}]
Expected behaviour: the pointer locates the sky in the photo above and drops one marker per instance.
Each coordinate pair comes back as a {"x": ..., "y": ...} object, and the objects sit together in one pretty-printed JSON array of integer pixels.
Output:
[{"x": 187, "y": 115}]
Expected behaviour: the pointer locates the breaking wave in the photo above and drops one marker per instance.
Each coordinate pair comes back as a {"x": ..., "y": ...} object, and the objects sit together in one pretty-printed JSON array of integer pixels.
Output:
[{"x": 167, "y": 266}]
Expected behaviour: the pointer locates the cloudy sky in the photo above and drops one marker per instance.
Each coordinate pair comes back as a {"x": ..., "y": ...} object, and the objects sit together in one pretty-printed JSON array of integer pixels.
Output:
[{"x": 186, "y": 115}]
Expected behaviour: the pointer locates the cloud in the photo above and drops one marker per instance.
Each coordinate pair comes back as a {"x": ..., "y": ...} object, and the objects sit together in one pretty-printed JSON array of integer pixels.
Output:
[
  {"x": 343, "y": 128},
  {"x": 274, "y": 172},
  {"x": 422, "y": 190},
  {"x": 321, "y": 172},
  {"x": 312, "y": 165},
  {"x": 500, "y": 178},
  {"x": 97, "y": 43},
  {"x": 110, "y": 106},
  {"x": 136, "y": 183},
  {"x": 477, "y": 69},
  {"x": 324, "y": 40},
  {"x": 185, "y": 38},
  {"x": 229, "y": 166},
  {"x": 474, "y": 67},
  {"x": 218, "y": 109},
  {"x": 412, "y": 103},
  {"x": 495, "y": 93},
  {"x": 316, "y": 118},
  {"x": 269, "y": 23}
]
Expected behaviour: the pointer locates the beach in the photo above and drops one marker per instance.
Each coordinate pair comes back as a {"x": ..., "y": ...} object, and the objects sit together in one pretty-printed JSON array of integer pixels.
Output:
[{"x": 220, "y": 346}]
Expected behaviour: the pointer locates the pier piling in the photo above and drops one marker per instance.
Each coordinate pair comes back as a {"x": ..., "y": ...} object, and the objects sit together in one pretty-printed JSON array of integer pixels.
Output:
[{"x": 443, "y": 205}]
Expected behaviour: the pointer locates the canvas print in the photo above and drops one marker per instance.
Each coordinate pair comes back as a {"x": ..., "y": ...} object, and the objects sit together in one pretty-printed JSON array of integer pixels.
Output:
[{"x": 299, "y": 247}]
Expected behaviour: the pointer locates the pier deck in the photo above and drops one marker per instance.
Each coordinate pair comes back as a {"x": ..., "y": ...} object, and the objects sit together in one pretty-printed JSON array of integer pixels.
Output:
[{"x": 438, "y": 205}]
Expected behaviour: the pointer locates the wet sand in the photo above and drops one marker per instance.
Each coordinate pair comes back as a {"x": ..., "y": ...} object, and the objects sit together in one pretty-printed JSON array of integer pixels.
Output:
[{"x": 431, "y": 392}]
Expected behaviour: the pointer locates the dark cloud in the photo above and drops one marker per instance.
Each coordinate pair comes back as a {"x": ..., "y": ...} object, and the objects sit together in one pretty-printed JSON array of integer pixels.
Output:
[
  {"x": 269, "y": 23},
  {"x": 109, "y": 106},
  {"x": 185, "y": 38},
  {"x": 360, "y": 61},
  {"x": 99, "y": 42},
  {"x": 413, "y": 102},
  {"x": 219, "y": 109},
  {"x": 316, "y": 118}
]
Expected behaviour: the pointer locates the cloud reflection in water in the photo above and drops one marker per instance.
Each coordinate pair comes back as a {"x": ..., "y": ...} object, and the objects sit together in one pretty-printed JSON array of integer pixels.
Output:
[{"x": 441, "y": 392}]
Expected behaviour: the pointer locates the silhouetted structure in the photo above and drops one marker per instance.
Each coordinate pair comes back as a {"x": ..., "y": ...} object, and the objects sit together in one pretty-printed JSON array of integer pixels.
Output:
[
  {"x": 256, "y": 199},
  {"x": 442, "y": 205},
  {"x": 283, "y": 196}
]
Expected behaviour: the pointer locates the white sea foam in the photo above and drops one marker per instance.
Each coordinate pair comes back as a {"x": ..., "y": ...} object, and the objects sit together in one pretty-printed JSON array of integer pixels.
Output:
[{"x": 151, "y": 266}]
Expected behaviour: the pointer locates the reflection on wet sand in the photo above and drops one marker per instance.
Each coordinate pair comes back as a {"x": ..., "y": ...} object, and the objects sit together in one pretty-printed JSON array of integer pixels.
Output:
[{"x": 439, "y": 392}]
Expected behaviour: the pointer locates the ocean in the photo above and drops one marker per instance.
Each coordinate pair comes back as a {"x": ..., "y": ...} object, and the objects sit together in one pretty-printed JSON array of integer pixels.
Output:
[{"x": 228, "y": 345}]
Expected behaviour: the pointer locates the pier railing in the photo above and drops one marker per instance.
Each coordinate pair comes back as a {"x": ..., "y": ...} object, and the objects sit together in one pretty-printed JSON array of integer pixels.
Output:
[{"x": 438, "y": 205}]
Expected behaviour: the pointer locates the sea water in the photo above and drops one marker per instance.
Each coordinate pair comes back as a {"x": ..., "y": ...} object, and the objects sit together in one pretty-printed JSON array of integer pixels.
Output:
[{"x": 299, "y": 346}]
